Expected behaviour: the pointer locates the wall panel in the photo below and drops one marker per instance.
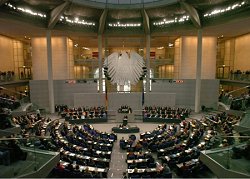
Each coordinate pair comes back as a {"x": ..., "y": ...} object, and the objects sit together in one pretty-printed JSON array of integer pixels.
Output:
[{"x": 7, "y": 55}]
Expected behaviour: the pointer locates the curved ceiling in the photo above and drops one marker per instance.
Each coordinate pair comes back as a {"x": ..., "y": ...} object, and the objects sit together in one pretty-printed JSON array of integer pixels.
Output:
[{"x": 133, "y": 18}]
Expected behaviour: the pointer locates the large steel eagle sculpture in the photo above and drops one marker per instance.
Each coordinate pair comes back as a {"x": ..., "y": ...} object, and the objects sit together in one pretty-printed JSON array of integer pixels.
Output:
[{"x": 124, "y": 67}]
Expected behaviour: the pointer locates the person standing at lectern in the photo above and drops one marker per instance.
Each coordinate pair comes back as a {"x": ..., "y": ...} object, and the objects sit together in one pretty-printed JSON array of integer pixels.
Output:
[{"x": 125, "y": 121}]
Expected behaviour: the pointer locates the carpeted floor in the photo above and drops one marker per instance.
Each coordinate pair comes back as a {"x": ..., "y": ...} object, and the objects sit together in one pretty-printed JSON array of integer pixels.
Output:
[{"x": 118, "y": 163}]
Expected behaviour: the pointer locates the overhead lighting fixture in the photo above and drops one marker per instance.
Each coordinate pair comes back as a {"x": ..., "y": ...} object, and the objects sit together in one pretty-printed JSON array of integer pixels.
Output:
[
  {"x": 76, "y": 45},
  {"x": 171, "y": 21},
  {"x": 118, "y": 24},
  {"x": 170, "y": 44},
  {"x": 85, "y": 48},
  {"x": 25, "y": 10},
  {"x": 221, "y": 36},
  {"x": 76, "y": 20},
  {"x": 225, "y": 9},
  {"x": 160, "y": 48}
]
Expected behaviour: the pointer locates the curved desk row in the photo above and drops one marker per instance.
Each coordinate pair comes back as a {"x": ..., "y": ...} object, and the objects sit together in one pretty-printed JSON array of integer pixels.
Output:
[
  {"x": 162, "y": 120},
  {"x": 126, "y": 129},
  {"x": 87, "y": 120}
]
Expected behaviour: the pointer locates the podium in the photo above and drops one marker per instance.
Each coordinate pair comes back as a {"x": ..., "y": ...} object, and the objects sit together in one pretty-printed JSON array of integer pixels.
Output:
[
  {"x": 120, "y": 116},
  {"x": 125, "y": 122}
]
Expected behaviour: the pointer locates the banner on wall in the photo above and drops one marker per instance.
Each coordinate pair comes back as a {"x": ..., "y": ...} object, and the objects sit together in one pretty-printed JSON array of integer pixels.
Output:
[
  {"x": 94, "y": 54},
  {"x": 152, "y": 55}
]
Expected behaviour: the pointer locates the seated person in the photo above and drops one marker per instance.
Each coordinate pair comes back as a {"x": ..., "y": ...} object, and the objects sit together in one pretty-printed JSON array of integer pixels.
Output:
[
  {"x": 184, "y": 167},
  {"x": 59, "y": 166},
  {"x": 166, "y": 170}
]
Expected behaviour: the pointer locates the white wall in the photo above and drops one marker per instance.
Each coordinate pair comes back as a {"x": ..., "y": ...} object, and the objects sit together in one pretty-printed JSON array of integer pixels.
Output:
[
  {"x": 163, "y": 94},
  {"x": 62, "y": 58},
  {"x": 185, "y": 92},
  {"x": 39, "y": 58},
  {"x": 209, "y": 45},
  {"x": 6, "y": 51},
  {"x": 188, "y": 57},
  {"x": 63, "y": 92},
  {"x": 177, "y": 58},
  {"x": 59, "y": 58},
  {"x": 115, "y": 100},
  {"x": 242, "y": 53}
]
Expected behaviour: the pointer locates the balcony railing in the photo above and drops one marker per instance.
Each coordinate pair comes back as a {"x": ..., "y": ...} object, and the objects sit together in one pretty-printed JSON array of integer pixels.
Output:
[{"x": 235, "y": 77}]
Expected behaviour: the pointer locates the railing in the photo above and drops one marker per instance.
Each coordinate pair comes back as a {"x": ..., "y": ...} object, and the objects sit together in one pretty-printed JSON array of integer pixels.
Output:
[
  {"x": 237, "y": 99},
  {"x": 24, "y": 156},
  {"x": 235, "y": 77},
  {"x": 5, "y": 78},
  {"x": 231, "y": 160}
]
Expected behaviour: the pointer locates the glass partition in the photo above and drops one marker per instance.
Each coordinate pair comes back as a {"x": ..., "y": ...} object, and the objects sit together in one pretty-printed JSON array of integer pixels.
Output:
[
  {"x": 237, "y": 99},
  {"x": 234, "y": 157},
  {"x": 22, "y": 156}
]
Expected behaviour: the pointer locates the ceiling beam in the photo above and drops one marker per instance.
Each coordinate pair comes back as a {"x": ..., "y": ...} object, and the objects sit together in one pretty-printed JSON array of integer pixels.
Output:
[
  {"x": 145, "y": 21},
  {"x": 102, "y": 21},
  {"x": 194, "y": 16},
  {"x": 56, "y": 13},
  {"x": 2, "y": 2}
]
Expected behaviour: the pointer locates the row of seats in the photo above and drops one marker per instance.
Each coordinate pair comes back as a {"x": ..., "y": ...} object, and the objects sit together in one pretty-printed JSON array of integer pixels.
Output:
[
  {"x": 174, "y": 144},
  {"x": 140, "y": 162},
  {"x": 166, "y": 112},
  {"x": 85, "y": 152},
  {"x": 9, "y": 102},
  {"x": 83, "y": 112}
]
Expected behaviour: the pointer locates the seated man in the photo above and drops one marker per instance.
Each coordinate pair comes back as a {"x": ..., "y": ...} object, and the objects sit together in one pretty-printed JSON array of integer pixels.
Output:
[{"x": 123, "y": 143}]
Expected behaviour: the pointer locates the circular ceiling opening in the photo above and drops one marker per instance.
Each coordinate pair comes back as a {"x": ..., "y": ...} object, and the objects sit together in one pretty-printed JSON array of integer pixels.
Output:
[{"x": 125, "y": 4}]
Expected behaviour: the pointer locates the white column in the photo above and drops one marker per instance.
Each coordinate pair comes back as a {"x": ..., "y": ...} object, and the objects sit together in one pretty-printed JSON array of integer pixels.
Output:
[
  {"x": 50, "y": 73},
  {"x": 198, "y": 72},
  {"x": 148, "y": 62},
  {"x": 100, "y": 61}
]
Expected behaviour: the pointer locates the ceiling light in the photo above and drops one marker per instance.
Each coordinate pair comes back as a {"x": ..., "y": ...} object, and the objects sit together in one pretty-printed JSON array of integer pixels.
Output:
[
  {"x": 119, "y": 24},
  {"x": 171, "y": 21},
  {"x": 25, "y": 10},
  {"x": 85, "y": 48},
  {"x": 76, "y": 20},
  {"x": 160, "y": 48},
  {"x": 170, "y": 44},
  {"x": 223, "y": 10}
]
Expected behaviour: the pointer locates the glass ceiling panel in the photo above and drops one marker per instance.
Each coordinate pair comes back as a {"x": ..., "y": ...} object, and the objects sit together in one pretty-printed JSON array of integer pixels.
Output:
[{"x": 124, "y": 1}]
